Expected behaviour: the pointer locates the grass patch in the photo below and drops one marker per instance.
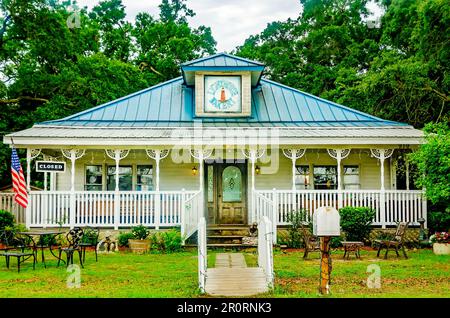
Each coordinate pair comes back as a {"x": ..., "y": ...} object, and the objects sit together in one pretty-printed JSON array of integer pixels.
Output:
[{"x": 175, "y": 275}]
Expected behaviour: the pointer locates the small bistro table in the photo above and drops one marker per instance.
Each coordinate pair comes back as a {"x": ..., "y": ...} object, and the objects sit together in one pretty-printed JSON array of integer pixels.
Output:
[
  {"x": 52, "y": 233},
  {"x": 352, "y": 246}
]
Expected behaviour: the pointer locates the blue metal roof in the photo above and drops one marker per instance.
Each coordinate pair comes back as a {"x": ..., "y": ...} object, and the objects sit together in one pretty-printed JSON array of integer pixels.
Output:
[
  {"x": 222, "y": 60},
  {"x": 171, "y": 104}
]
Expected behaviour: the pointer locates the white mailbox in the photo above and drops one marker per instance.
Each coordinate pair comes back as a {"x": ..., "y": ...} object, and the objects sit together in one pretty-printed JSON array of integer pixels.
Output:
[{"x": 327, "y": 222}]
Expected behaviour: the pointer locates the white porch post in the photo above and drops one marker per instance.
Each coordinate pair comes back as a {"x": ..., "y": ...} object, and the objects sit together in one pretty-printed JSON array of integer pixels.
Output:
[
  {"x": 253, "y": 155},
  {"x": 117, "y": 155},
  {"x": 293, "y": 154},
  {"x": 201, "y": 155},
  {"x": 72, "y": 155},
  {"x": 339, "y": 154},
  {"x": 157, "y": 155},
  {"x": 382, "y": 154}
]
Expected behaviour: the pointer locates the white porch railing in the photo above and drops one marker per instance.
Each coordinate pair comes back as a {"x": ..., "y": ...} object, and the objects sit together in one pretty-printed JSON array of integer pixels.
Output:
[
  {"x": 191, "y": 215},
  {"x": 7, "y": 203},
  {"x": 391, "y": 206},
  {"x": 97, "y": 208},
  {"x": 266, "y": 208},
  {"x": 265, "y": 249},
  {"x": 202, "y": 254}
]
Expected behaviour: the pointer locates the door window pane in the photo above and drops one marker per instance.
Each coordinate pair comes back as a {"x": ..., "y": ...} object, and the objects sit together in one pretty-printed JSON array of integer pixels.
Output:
[
  {"x": 231, "y": 184},
  {"x": 302, "y": 177},
  {"x": 210, "y": 183},
  {"x": 94, "y": 178},
  {"x": 351, "y": 177},
  {"x": 144, "y": 178},
  {"x": 325, "y": 177},
  {"x": 125, "y": 178}
]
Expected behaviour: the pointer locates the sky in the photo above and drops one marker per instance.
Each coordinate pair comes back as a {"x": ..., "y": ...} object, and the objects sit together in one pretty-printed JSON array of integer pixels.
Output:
[{"x": 231, "y": 21}]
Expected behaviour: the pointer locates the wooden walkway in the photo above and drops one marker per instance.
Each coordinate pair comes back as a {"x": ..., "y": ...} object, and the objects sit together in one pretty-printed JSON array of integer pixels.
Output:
[{"x": 232, "y": 277}]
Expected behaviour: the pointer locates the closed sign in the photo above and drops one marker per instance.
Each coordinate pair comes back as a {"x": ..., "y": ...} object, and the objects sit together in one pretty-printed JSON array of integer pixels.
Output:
[{"x": 50, "y": 166}]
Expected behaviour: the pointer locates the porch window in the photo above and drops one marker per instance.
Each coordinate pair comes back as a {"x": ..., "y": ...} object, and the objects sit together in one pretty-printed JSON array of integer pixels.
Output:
[
  {"x": 302, "y": 177},
  {"x": 94, "y": 178},
  {"x": 144, "y": 178},
  {"x": 351, "y": 178},
  {"x": 125, "y": 178},
  {"x": 325, "y": 177}
]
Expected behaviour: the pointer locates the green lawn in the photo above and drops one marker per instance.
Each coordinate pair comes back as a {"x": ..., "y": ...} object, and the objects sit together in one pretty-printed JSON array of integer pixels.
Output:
[{"x": 175, "y": 275}]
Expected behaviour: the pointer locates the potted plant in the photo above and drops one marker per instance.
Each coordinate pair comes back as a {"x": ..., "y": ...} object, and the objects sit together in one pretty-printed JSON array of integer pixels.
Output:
[
  {"x": 440, "y": 242},
  {"x": 122, "y": 240},
  {"x": 139, "y": 243}
]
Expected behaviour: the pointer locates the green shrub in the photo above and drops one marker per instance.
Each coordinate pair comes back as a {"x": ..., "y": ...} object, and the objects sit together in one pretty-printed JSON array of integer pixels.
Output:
[
  {"x": 122, "y": 239},
  {"x": 167, "y": 242},
  {"x": 6, "y": 219},
  {"x": 438, "y": 221},
  {"x": 7, "y": 235},
  {"x": 89, "y": 236},
  {"x": 140, "y": 232},
  {"x": 296, "y": 219},
  {"x": 47, "y": 240},
  {"x": 356, "y": 222},
  {"x": 336, "y": 241}
]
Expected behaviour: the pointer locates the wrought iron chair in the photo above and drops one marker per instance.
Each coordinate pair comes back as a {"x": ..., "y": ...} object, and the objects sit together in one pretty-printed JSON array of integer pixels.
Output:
[
  {"x": 89, "y": 239},
  {"x": 312, "y": 242},
  {"x": 73, "y": 237},
  {"x": 396, "y": 242},
  {"x": 20, "y": 247}
]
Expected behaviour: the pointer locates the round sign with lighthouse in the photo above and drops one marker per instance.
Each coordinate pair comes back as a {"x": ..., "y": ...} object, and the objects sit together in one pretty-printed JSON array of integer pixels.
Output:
[{"x": 222, "y": 93}]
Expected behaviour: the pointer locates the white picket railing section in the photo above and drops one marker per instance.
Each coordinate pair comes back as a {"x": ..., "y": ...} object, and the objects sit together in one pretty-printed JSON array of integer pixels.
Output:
[
  {"x": 265, "y": 249},
  {"x": 202, "y": 254},
  {"x": 391, "y": 206},
  {"x": 7, "y": 203},
  {"x": 192, "y": 213},
  {"x": 99, "y": 208},
  {"x": 265, "y": 208}
]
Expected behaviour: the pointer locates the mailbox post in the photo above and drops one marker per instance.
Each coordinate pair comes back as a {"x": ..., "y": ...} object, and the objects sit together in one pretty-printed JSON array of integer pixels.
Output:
[{"x": 326, "y": 223}]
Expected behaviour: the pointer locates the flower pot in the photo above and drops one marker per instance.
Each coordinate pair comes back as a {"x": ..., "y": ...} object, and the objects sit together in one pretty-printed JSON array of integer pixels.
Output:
[
  {"x": 441, "y": 248},
  {"x": 139, "y": 246}
]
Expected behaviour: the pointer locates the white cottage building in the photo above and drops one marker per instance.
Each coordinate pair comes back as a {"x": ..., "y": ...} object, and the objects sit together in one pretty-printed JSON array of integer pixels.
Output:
[{"x": 220, "y": 141}]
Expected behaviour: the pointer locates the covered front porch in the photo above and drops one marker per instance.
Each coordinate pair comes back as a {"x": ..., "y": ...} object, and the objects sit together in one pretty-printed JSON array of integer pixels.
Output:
[{"x": 120, "y": 188}]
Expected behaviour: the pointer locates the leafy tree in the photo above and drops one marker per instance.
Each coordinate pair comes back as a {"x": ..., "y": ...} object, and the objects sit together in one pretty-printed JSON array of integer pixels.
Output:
[
  {"x": 51, "y": 68},
  {"x": 164, "y": 43},
  {"x": 115, "y": 31},
  {"x": 398, "y": 70},
  {"x": 433, "y": 164}
]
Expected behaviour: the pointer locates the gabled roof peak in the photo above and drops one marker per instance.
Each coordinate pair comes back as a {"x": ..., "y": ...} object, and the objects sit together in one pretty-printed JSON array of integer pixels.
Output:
[{"x": 222, "y": 59}]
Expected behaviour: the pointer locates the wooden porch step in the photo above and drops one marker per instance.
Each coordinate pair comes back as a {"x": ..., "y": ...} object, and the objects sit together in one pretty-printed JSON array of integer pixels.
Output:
[
  {"x": 227, "y": 227},
  {"x": 226, "y": 236},
  {"x": 230, "y": 245}
]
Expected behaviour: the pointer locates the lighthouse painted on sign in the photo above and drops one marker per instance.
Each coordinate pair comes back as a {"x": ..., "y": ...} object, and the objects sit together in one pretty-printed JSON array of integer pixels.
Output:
[{"x": 222, "y": 93}]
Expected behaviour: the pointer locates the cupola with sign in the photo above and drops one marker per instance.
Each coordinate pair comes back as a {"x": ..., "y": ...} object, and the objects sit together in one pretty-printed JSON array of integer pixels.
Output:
[{"x": 223, "y": 84}]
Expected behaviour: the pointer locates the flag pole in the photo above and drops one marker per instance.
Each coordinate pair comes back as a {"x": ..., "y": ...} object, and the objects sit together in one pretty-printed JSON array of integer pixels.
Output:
[{"x": 14, "y": 202}]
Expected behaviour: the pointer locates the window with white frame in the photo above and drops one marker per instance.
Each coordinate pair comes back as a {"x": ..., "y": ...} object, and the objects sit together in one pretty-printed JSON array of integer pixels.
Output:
[
  {"x": 351, "y": 178},
  {"x": 94, "y": 178},
  {"x": 302, "y": 177}
]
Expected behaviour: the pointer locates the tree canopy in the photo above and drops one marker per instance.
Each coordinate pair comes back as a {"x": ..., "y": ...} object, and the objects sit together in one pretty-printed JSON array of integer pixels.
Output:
[
  {"x": 397, "y": 69},
  {"x": 56, "y": 61}
]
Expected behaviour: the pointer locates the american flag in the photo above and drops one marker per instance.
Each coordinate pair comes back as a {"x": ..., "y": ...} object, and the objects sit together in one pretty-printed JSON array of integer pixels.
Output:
[{"x": 19, "y": 185}]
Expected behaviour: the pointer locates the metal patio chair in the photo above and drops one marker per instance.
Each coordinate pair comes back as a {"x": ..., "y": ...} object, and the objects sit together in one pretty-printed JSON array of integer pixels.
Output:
[{"x": 73, "y": 237}]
